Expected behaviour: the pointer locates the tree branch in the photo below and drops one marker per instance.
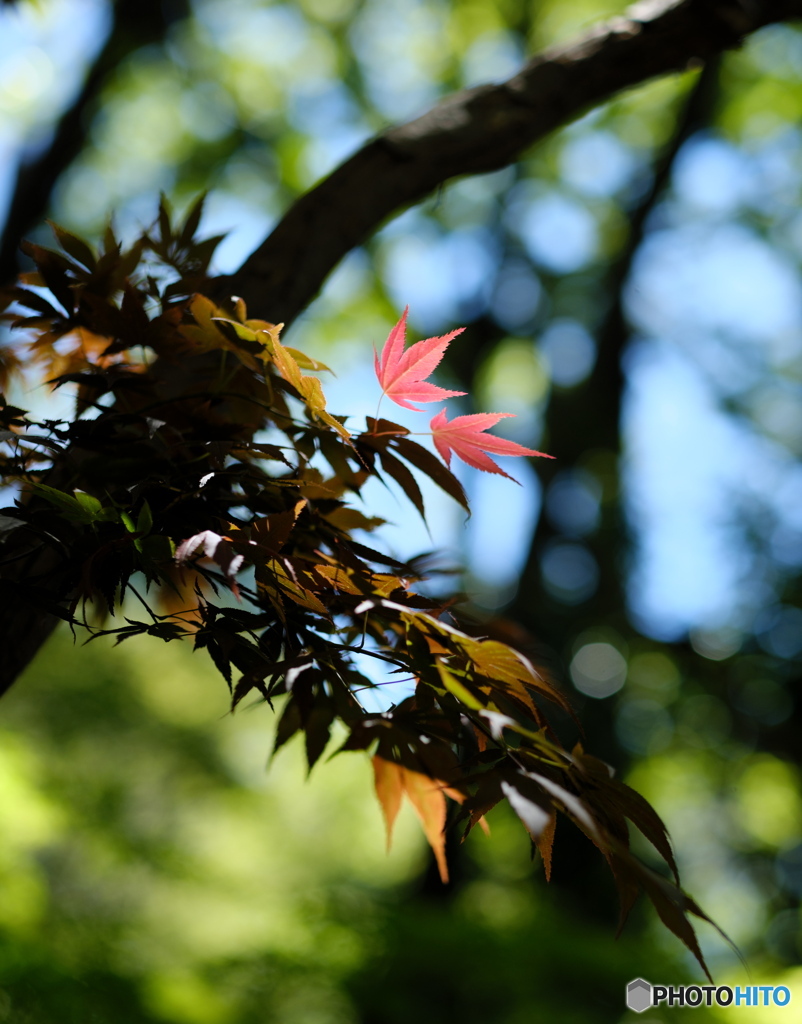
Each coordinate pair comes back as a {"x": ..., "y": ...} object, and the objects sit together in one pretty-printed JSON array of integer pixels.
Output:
[
  {"x": 474, "y": 131},
  {"x": 479, "y": 130}
]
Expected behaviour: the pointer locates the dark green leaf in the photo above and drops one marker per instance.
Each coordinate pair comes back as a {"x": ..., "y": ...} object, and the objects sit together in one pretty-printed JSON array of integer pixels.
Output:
[
  {"x": 317, "y": 727},
  {"x": 36, "y": 302},
  {"x": 536, "y": 816},
  {"x": 405, "y": 480},
  {"x": 74, "y": 246},
  {"x": 192, "y": 222},
  {"x": 144, "y": 522},
  {"x": 72, "y": 508},
  {"x": 288, "y": 725},
  {"x": 165, "y": 230},
  {"x": 429, "y": 464}
]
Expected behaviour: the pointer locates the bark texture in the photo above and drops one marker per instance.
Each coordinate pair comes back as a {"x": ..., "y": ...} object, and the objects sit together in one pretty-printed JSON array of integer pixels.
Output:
[{"x": 479, "y": 130}]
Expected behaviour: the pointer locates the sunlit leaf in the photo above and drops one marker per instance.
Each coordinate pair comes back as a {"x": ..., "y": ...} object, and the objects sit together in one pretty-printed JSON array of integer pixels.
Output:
[
  {"x": 466, "y": 437},
  {"x": 389, "y": 783},
  {"x": 402, "y": 373}
]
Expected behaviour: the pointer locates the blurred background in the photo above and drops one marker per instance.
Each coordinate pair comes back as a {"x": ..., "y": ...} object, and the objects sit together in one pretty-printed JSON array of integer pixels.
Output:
[{"x": 632, "y": 290}]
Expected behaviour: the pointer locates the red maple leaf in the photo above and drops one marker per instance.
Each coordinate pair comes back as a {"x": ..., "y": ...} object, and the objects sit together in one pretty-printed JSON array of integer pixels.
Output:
[
  {"x": 402, "y": 372},
  {"x": 465, "y": 436}
]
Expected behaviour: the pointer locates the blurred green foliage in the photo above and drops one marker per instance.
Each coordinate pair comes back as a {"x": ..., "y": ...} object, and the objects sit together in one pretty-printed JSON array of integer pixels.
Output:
[{"x": 153, "y": 870}]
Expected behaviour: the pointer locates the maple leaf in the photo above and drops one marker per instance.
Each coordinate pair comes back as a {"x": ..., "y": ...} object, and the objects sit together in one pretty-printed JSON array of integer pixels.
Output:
[
  {"x": 465, "y": 436},
  {"x": 427, "y": 796},
  {"x": 219, "y": 549},
  {"x": 402, "y": 372}
]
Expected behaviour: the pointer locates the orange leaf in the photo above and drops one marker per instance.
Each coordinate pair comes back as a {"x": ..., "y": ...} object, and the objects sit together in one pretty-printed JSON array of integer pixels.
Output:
[
  {"x": 426, "y": 796},
  {"x": 388, "y": 778},
  {"x": 545, "y": 842}
]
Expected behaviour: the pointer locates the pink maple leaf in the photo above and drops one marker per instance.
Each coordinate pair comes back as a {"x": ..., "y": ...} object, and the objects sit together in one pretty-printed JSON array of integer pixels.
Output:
[
  {"x": 465, "y": 436},
  {"x": 402, "y": 372}
]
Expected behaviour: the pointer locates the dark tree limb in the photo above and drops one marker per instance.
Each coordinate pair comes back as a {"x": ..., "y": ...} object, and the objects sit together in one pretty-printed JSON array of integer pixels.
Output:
[
  {"x": 474, "y": 131},
  {"x": 136, "y": 23},
  {"x": 480, "y": 130}
]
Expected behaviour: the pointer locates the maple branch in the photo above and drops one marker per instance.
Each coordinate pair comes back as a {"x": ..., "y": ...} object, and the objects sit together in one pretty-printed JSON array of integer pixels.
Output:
[
  {"x": 482, "y": 129},
  {"x": 471, "y": 132}
]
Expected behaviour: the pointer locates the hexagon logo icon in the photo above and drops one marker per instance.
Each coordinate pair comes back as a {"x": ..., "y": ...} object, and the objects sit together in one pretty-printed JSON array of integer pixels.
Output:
[{"x": 639, "y": 995}]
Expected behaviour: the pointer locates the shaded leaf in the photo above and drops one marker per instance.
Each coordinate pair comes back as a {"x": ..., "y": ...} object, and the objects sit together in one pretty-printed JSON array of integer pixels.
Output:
[
  {"x": 272, "y": 531},
  {"x": 673, "y": 907},
  {"x": 219, "y": 549},
  {"x": 82, "y": 508},
  {"x": 74, "y": 246},
  {"x": 534, "y": 816},
  {"x": 289, "y": 723},
  {"x": 570, "y": 801},
  {"x": 427, "y": 463},
  {"x": 405, "y": 480},
  {"x": 453, "y": 685},
  {"x": 317, "y": 728},
  {"x": 192, "y": 221}
]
